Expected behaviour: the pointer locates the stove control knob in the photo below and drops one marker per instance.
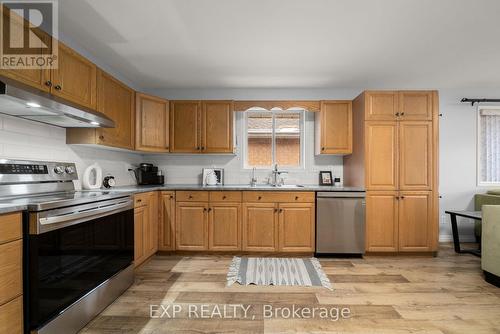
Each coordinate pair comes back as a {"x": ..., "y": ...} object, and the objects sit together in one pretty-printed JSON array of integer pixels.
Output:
[
  {"x": 59, "y": 169},
  {"x": 70, "y": 169}
]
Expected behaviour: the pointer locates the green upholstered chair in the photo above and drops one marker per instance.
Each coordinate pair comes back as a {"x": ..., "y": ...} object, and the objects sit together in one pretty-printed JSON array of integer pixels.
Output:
[
  {"x": 492, "y": 197},
  {"x": 490, "y": 249}
]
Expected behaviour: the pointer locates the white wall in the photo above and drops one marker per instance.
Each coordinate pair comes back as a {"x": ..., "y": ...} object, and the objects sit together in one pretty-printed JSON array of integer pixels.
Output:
[{"x": 28, "y": 140}]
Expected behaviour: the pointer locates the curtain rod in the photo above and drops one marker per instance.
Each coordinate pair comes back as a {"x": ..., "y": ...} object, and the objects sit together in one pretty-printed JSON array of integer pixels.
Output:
[{"x": 472, "y": 101}]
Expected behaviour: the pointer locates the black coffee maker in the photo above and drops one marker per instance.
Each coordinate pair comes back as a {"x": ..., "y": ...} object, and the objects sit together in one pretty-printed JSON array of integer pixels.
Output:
[{"x": 147, "y": 174}]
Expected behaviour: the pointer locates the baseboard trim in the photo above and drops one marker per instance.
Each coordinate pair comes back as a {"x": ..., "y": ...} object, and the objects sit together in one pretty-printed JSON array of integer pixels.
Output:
[{"x": 492, "y": 279}]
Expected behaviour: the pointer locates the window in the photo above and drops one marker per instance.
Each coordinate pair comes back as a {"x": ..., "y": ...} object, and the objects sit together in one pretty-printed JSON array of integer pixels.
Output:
[
  {"x": 489, "y": 145},
  {"x": 274, "y": 137}
]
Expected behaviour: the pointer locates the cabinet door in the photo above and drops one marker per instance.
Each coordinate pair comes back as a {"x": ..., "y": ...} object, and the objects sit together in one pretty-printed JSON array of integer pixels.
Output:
[
  {"x": 381, "y": 221},
  {"x": 415, "y": 155},
  {"x": 260, "y": 227},
  {"x": 140, "y": 220},
  {"x": 152, "y": 224},
  {"x": 75, "y": 78},
  {"x": 116, "y": 101},
  {"x": 37, "y": 78},
  {"x": 224, "y": 226},
  {"x": 381, "y": 106},
  {"x": 185, "y": 126},
  {"x": 335, "y": 127},
  {"x": 191, "y": 226},
  {"x": 296, "y": 227},
  {"x": 415, "y": 221},
  {"x": 152, "y": 123},
  {"x": 415, "y": 105},
  {"x": 167, "y": 221},
  {"x": 381, "y": 160},
  {"x": 217, "y": 127}
]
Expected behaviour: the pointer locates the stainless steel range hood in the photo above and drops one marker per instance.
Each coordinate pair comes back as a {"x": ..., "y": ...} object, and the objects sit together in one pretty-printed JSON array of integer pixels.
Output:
[{"x": 26, "y": 102}]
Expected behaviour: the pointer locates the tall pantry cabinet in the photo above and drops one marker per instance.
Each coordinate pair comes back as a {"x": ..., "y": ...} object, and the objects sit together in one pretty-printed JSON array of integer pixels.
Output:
[{"x": 395, "y": 150}]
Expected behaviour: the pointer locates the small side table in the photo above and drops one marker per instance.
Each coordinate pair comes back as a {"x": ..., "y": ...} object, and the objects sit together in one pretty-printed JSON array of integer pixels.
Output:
[{"x": 476, "y": 215}]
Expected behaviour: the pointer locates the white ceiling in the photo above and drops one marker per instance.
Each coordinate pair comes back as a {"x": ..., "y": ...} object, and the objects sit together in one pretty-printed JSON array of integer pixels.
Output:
[{"x": 291, "y": 43}]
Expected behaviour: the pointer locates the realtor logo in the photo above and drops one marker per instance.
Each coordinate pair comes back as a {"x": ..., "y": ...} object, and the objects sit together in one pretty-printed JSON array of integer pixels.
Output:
[{"x": 28, "y": 34}]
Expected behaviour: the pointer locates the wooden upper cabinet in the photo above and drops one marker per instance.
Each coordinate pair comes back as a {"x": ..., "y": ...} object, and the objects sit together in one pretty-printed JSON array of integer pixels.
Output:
[
  {"x": 381, "y": 155},
  {"x": 415, "y": 221},
  {"x": 415, "y": 105},
  {"x": 224, "y": 226},
  {"x": 260, "y": 227},
  {"x": 37, "y": 78},
  {"x": 381, "y": 221},
  {"x": 75, "y": 78},
  {"x": 191, "y": 226},
  {"x": 296, "y": 227},
  {"x": 185, "y": 118},
  {"x": 381, "y": 105},
  {"x": 415, "y": 155},
  {"x": 334, "y": 128},
  {"x": 167, "y": 221},
  {"x": 115, "y": 100},
  {"x": 217, "y": 127},
  {"x": 152, "y": 123}
]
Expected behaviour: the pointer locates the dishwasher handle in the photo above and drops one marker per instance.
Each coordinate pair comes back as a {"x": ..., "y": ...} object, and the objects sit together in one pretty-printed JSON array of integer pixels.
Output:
[{"x": 341, "y": 194}]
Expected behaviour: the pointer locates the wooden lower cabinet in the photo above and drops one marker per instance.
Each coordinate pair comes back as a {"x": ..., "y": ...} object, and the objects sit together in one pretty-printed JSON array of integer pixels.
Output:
[
  {"x": 145, "y": 226},
  {"x": 415, "y": 221},
  {"x": 381, "y": 221},
  {"x": 224, "y": 226},
  {"x": 399, "y": 221},
  {"x": 166, "y": 230},
  {"x": 260, "y": 227},
  {"x": 140, "y": 220},
  {"x": 11, "y": 317},
  {"x": 11, "y": 276},
  {"x": 296, "y": 227},
  {"x": 191, "y": 226}
]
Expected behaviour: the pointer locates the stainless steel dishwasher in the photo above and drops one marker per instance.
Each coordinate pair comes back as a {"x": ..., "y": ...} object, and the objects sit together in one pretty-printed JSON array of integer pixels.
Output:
[{"x": 340, "y": 222}]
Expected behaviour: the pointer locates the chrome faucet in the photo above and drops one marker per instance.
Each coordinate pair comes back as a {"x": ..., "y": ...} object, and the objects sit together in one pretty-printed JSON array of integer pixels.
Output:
[
  {"x": 253, "y": 180},
  {"x": 275, "y": 182}
]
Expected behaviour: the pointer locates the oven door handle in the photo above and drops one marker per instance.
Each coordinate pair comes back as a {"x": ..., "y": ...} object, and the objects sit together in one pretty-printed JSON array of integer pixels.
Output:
[{"x": 101, "y": 211}]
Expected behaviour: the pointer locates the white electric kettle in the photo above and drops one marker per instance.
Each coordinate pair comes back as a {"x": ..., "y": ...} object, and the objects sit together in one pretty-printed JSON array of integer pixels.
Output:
[{"x": 92, "y": 177}]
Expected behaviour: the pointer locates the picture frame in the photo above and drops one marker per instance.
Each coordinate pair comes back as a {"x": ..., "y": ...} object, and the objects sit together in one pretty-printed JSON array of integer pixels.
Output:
[
  {"x": 219, "y": 174},
  {"x": 325, "y": 178}
]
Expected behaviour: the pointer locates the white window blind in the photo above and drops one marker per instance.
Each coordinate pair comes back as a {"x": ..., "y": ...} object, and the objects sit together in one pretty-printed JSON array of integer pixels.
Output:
[{"x": 489, "y": 145}]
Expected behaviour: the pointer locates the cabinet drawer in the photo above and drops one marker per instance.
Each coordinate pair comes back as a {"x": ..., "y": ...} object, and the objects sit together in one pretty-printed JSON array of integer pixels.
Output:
[
  {"x": 10, "y": 227},
  {"x": 11, "y": 317},
  {"x": 278, "y": 196},
  {"x": 141, "y": 199},
  {"x": 192, "y": 196},
  {"x": 10, "y": 270},
  {"x": 225, "y": 196}
]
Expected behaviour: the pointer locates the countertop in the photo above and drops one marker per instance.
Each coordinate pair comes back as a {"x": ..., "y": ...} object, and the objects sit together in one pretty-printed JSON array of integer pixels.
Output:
[
  {"x": 11, "y": 207},
  {"x": 235, "y": 187}
]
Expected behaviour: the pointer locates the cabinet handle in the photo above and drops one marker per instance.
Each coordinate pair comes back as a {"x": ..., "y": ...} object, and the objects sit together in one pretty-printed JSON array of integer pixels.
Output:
[
  {"x": 57, "y": 87},
  {"x": 48, "y": 83},
  {"x": 101, "y": 137},
  {"x": 397, "y": 114},
  {"x": 139, "y": 200}
]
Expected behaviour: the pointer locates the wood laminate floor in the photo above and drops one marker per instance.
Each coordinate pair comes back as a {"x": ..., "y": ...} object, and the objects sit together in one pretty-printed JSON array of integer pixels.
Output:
[{"x": 441, "y": 295}]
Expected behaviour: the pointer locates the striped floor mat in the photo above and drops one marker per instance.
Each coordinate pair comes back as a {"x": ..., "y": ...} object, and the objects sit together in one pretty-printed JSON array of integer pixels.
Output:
[{"x": 277, "y": 271}]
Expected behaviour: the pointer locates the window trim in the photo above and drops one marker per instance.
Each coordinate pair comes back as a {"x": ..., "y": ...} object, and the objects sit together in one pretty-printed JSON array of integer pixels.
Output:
[
  {"x": 244, "y": 145},
  {"x": 479, "y": 182}
]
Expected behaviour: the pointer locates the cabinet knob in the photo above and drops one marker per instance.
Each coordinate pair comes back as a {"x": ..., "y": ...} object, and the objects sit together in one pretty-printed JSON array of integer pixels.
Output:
[
  {"x": 203, "y": 148},
  {"x": 209, "y": 209},
  {"x": 397, "y": 114},
  {"x": 402, "y": 114},
  {"x": 197, "y": 148},
  {"x": 48, "y": 83},
  {"x": 190, "y": 196},
  {"x": 402, "y": 197},
  {"x": 397, "y": 197},
  {"x": 204, "y": 209},
  {"x": 322, "y": 148},
  {"x": 101, "y": 137},
  {"x": 171, "y": 196},
  {"x": 296, "y": 197},
  {"x": 139, "y": 200},
  {"x": 281, "y": 210},
  {"x": 224, "y": 197},
  {"x": 275, "y": 210},
  {"x": 57, "y": 87},
  {"x": 259, "y": 198}
]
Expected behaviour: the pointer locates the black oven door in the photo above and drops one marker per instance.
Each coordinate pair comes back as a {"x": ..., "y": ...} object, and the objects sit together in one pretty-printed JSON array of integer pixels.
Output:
[{"x": 64, "y": 264}]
